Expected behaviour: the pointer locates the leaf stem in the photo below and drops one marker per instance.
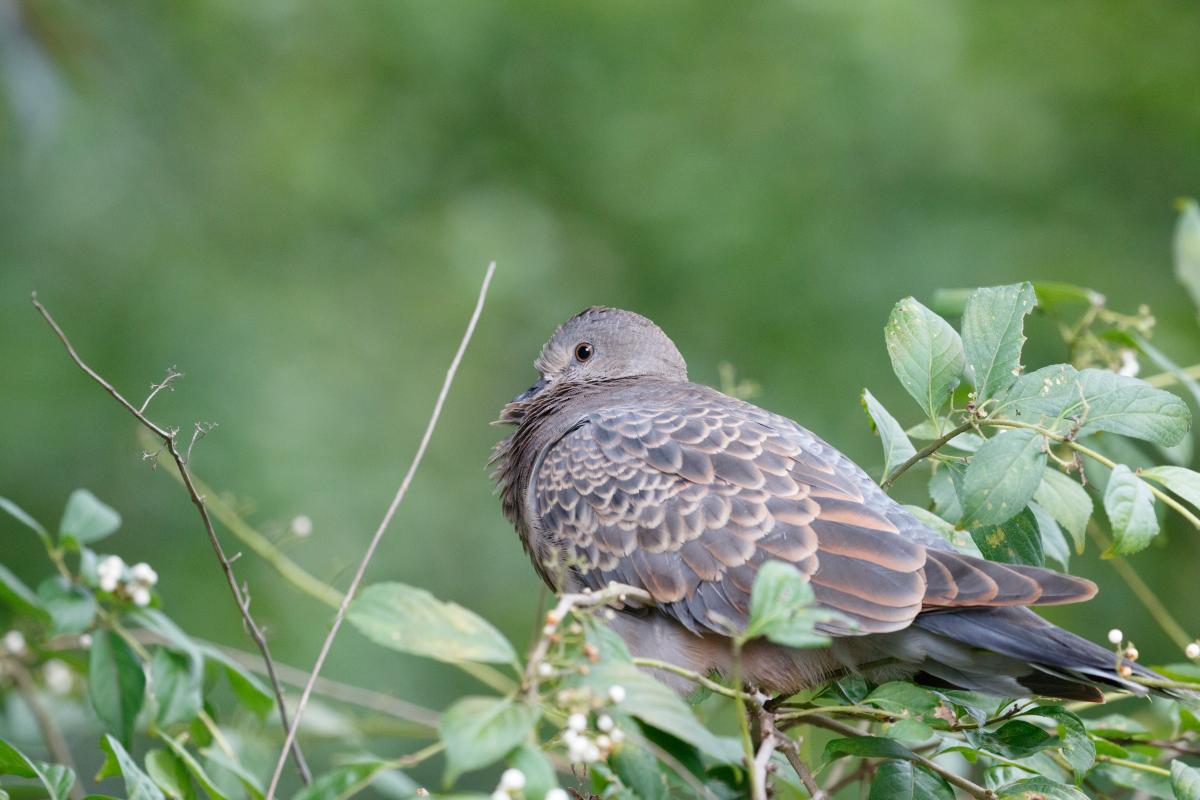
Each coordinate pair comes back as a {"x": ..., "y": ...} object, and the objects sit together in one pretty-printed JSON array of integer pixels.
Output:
[
  {"x": 1124, "y": 762},
  {"x": 925, "y": 452}
]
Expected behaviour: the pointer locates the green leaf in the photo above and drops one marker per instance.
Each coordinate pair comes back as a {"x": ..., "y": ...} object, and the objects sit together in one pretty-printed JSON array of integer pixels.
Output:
[
  {"x": 539, "y": 773},
  {"x": 14, "y": 592},
  {"x": 961, "y": 540},
  {"x": 412, "y": 620},
  {"x": 1017, "y": 541},
  {"x": 912, "y": 731},
  {"x": 784, "y": 609},
  {"x": 896, "y": 447},
  {"x": 1187, "y": 249},
  {"x": 175, "y": 684},
  {"x": 1076, "y": 746},
  {"x": 1054, "y": 542},
  {"x": 1068, "y": 502},
  {"x": 655, "y": 704},
  {"x": 1052, "y": 294},
  {"x": 252, "y": 692},
  {"x": 944, "y": 487},
  {"x": 1014, "y": 739},
  {"x": 866, "y": 747},
  {"x": 993, "y": 335},
  {"x": 903, "y": 780},
  {"x": 56, "y": 778},
  {"x": 1094, "y": 400},
  {"x": 244, "y": 776},
  {"x": 1179, "y": 480},
  {"x": 1130, "y": 508},
  {"x": 72, "y": 608},
  {"x": 1002, "y": 477},
  {"x": 342, "y": 781},
  {"x": 193, "y": 766},
  {"x": 928, "y": 430},
  {"x": 86, "y": 519},
  {"x": 639, "y": 771},
  {"x": 481, "y": 730},
  {"x": 1185, "y": 781},
  {"x": 169, "y": 774},
  {"x": 138, "y": 785},
  {"x": 19, "y": 514},
  {"x": 926, "y": 353},
  {"x": 1040, "y": 789},
  {"x": 116, "y": 683},
  {"x": 903, "y": 698}
]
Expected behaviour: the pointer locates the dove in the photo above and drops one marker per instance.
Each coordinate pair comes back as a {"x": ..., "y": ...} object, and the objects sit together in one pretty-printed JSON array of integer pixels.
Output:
[{"x": 621, "y": 470}]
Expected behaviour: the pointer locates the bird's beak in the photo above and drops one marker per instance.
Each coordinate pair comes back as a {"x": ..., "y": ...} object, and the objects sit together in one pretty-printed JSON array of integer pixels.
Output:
[{"x": 531, "y": 392}]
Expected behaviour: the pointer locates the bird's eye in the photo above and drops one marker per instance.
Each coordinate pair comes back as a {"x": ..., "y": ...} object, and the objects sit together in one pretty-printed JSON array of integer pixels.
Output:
[{"x": 583, "y": 351}]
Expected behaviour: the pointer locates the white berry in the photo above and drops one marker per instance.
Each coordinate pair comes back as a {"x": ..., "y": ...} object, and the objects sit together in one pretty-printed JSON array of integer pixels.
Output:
[
  {"x": 1115, "y": 636},
  {"x": 557, "y": 794},
  {"x": 512, "y": 780},
  {"x": 616, "y": 694},
  {"x": 605, "y": 723},
  {"x": 14, "y": 643},
  {"x": 143, "y": 573},
  {"x": 1192, "y": 650},
  {"x": 577, "y": 722}
]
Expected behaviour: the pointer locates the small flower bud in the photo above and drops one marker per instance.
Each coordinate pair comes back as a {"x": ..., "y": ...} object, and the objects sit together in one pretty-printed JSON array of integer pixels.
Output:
[
  {"x": 143, "y": 573},
  {"x": 1192, "y": 650},
  {"x": 85, "y": 640},
  {"x": 500, "y": 794},
  {"x": 140, "y": 596},
  {"x": 512, "y": 780},
  {"x": 577, "y": 722},
  {"x": 617, "y": 735},
  {"x": 603, "y": 743},
  {"x": 14, "y": 643},
  {"x": 109, "y": 572},
  {"x": 1125, "y": 671},
  {"x": 616, "y": 693},
  {"x": 577, "y": 748},
  {"x": 557, "y": 794},
  {"x": 1131, "y": 653},
  {"x": 545, "y": 670},
  {"x": 604, "y": 723},
  {"x": 1115, "y": 636},
  {"x": 548, "y": 630},
  {"x": 301, "y": 526},
  {"x": 58, "y": 676}
]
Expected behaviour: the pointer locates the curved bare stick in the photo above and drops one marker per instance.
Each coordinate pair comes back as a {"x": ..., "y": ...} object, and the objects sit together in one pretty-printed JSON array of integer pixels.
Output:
[
  {"x": 383, "y": 525},
  {"x": 168, "y": 440}
]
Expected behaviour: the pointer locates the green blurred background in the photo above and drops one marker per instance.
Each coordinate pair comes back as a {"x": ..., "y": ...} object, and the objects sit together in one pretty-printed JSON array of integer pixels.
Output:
[{"x": 295, "y": 202}]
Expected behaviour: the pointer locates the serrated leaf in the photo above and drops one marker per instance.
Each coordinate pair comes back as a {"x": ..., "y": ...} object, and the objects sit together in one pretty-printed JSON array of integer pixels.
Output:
[
  {"x": 479, "y": 731},
  {"x": 1068, "y": 502},
  {"x": 1054, "y": 542},
  {"x": 993, "y": 335},
  {"x": 56, "y": 778},
  {"x": 138, "y": 785},
  {"x": 896, "y": 447},
  {"x": 86, "y": 519},
  {"x": 411, "y": 620},
  {"x": 1185, "y": 781},
  {"x": 1017, "y": 541},
  {"x": 116, "y": 683},
  {"x": 926, "y": 353},
  {"x": 1130, "y": 508},
  {"x": 904, "y": 780},
  {"x": 1179, "y": 480},
  {"x": 784, "y": 609},
  {"x": 1002, "y": 477},
  {"x": 1187, "y": 249},
  {"x": 1040, "y": 789},
  {"x": 1092, "y": 400}
]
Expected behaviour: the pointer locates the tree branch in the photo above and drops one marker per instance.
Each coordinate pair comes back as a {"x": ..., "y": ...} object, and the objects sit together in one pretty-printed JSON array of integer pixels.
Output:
[
  {"x": 923, "y": 453},
  {"x": 383, "y": 525},
  {"x": 168, "y": 440}
]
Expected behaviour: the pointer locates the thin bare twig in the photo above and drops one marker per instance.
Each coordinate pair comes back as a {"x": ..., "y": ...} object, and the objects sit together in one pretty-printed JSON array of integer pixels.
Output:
[
  {"x": 924, "y": 452},
  {"x": 155, "y": 388},
  {"x": 51, "y": 735},
  {"x": 168, "y": 440},
  {"x": 383, "y": 525}
]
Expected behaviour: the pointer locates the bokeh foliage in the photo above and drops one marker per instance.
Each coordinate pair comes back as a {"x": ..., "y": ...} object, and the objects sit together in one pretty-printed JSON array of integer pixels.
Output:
[{"x": 294, "y": 202}]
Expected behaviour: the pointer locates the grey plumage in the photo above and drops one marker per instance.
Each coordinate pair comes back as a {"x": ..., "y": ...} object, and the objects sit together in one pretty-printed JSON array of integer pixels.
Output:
[{"x": 622, "y": 470}]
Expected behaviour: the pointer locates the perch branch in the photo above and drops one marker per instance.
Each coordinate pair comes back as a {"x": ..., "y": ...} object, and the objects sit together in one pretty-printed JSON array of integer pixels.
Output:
[
  {"x": 168, "y": 440},
  {"x": 383, "y": 525}
]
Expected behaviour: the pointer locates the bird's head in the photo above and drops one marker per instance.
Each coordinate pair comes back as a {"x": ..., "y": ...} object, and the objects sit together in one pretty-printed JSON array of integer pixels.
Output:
[{"x": 600, "y": 344}]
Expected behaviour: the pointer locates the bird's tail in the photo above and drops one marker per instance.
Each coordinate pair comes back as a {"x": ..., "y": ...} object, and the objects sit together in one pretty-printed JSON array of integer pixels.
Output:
[{"x": 1056, "y": 662}]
